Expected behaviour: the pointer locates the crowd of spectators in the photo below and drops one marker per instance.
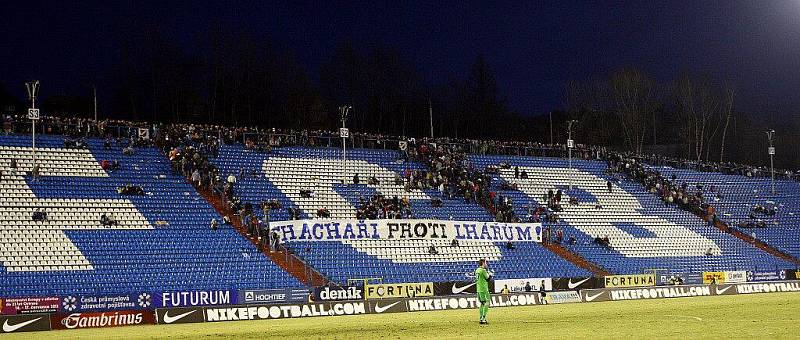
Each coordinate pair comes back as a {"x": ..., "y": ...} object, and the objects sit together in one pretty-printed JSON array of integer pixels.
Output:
[
  {"x": 130, "y": 190},
  {"x": 669, "y": 190},
  {"x": 379, "y": 207},
  {"x": 188, "y": 147},
  {"x": 261, "y": 139},
  {"x": 728, "y": 168}
]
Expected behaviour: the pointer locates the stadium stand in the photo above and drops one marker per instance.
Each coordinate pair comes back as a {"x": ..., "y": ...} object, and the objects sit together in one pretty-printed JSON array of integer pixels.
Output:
[
  {"x": 643, "y": 232},
  {"x": 288, "y": 170},
  {"x": 162, "y": 241},
  {"x": 735, "y": 197}
]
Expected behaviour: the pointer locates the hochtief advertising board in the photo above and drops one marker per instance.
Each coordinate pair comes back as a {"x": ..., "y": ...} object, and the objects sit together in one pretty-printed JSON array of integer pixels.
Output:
[
  {"x": 102, "y": 319},
  {"x": 398, "y": 290},
  {"x": 24, "y": 323},
  {"x": 638, "y": 280},
  {"x": 261, "y": 296}
]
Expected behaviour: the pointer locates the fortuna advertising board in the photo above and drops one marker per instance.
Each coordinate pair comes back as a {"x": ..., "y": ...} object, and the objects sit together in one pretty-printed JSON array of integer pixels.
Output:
[
  {"x": 640, "y": 280},
  {"x": 330, "y": 230},
  {"x": 398, "y": 290}
]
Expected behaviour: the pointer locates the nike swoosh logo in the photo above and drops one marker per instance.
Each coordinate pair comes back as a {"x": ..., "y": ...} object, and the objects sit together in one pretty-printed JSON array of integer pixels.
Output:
[
  {"x": 10, "y": 328},
  {"x": 573, "y": 285},
  {"x": 171, "y": 319},
  {"x": 590, "y": 298},
  {"x": 379, "y": 309},
  {"x": 458, "y": 290},
  {"x": 723, "y": 290}
]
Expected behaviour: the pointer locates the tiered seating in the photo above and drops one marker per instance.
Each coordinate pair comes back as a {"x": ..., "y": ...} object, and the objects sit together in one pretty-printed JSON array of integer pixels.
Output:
[
  {"x": 162, "y": 242},
  {"x": 281, "y": 175},
  {"x": 739, "y": 194},
  {"x": 644, "y": 233}
]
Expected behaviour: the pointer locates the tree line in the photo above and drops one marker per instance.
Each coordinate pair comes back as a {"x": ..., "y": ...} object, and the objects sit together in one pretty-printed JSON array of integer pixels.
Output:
[
  {"x": 692, "y": 117},
  {"x": 233, "y": 77}
]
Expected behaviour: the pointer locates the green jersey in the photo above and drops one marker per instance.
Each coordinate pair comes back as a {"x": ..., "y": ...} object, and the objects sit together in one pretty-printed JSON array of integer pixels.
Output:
[{"x": 482, "y": 278}]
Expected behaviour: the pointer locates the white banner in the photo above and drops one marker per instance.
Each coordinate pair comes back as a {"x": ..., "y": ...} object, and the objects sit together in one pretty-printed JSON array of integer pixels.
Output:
[
  {"x": 333, "y": 230},
  {"x": 570, "y": 296},
  {"x": 736, "y": 276},
  {"x": 519, "y": 285}
]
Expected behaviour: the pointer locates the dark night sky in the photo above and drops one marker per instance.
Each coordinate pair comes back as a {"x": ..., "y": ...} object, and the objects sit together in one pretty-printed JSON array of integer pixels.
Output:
[{"x": 534, "y": 48}]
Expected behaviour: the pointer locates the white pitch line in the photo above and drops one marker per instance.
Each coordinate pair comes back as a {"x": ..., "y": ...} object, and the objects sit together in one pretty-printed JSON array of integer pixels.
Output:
[{"x": 686, "y": 316}]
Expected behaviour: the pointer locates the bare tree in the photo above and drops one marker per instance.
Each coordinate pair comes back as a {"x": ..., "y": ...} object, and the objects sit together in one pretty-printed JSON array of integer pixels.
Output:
[
  {"x": 699, "y": 108},
  {"x": 634, "y": 98},
  {"x": 729, "y": 94}
]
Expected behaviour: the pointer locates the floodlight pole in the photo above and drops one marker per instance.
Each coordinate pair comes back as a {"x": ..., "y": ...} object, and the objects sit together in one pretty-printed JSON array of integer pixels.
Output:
[
  {"x": 33, "y": 89},
  {"x": 94, "y": 92},
  {"x": 343, "y": 132},
  {"x": 570, "y": 144},
  {"x": 430, "y": 114},
  {"x": 551, "y": 129},
  {"x": 771, "y": 152}
]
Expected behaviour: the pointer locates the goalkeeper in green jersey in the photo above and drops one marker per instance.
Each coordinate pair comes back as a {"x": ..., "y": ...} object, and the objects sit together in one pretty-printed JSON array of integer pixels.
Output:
[{"x": 482, "y": 276}]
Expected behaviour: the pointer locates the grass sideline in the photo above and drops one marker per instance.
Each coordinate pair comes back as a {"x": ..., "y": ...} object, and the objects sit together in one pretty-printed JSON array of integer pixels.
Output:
[{"x": 758, "y": 316}]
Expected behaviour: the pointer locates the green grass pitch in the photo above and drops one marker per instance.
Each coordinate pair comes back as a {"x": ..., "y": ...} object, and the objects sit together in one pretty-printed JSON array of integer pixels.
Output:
[{"x": 759, "y": 316}]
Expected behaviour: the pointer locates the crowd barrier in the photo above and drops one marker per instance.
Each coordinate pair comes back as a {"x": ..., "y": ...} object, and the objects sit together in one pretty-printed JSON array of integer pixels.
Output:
[{"x": 80, "y": 311}]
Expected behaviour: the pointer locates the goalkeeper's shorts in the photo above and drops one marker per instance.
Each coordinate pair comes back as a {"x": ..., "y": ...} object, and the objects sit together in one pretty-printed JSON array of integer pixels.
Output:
[{"x": 484, "y": 297}]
